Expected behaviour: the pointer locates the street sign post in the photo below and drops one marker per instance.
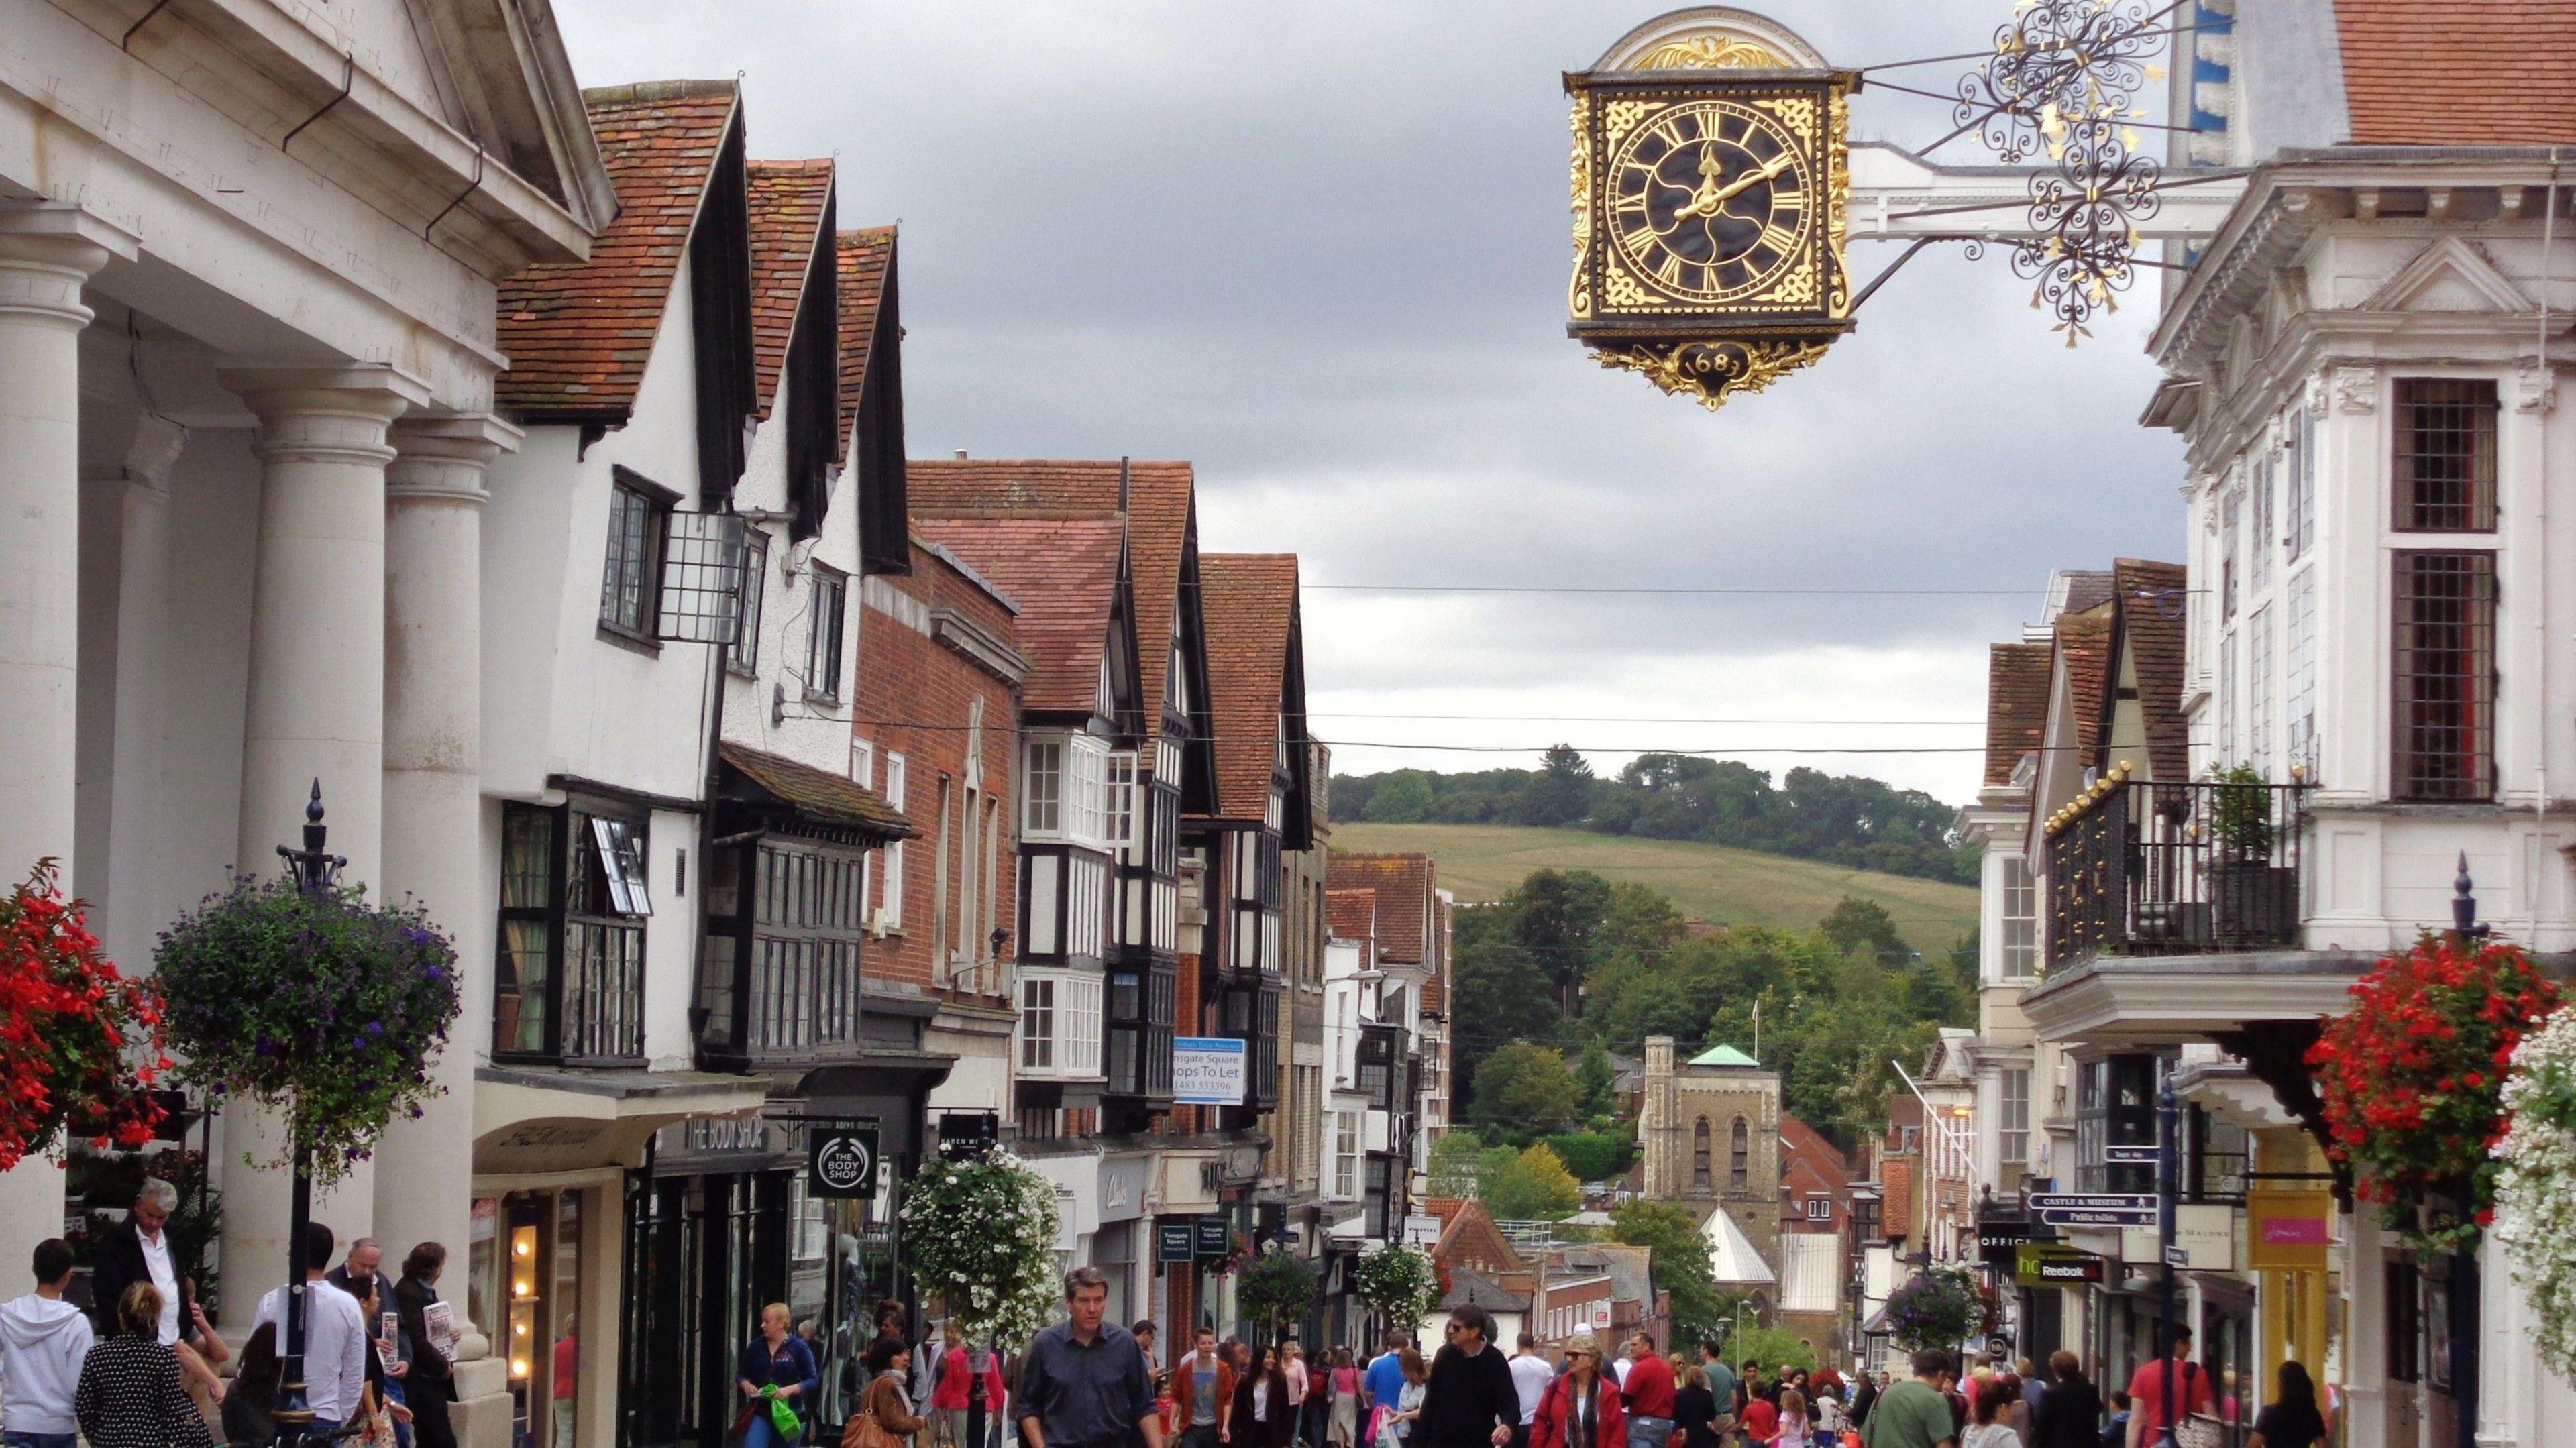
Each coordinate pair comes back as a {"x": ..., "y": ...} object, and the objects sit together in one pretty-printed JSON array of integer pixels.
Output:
[
  {"x": 2131, "y": 1155},
  {"x": 2094, "y": 1209}
]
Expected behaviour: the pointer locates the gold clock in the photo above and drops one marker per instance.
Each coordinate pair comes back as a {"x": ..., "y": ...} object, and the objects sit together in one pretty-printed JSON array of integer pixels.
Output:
[
  {"x": 1711, "y": 201},
  {"x": 1710, "y": 174}
]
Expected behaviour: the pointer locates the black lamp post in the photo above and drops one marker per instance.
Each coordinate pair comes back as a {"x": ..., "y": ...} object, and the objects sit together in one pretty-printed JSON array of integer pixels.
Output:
[{"x": 316, "y": 870}]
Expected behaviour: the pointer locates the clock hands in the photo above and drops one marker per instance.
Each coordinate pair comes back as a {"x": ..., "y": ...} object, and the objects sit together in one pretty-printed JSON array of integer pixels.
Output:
[{"x": 1711, "y": 196}]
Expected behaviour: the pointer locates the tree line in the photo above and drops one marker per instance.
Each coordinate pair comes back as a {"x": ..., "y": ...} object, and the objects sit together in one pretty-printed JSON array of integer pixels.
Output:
[
  {"x": 1569, "y": 967},
  {"x": 1844, "y": 820}
]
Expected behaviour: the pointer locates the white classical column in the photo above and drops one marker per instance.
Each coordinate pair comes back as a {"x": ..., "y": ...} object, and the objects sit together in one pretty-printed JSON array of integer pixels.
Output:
[
  {"x": 48, "y": 253},
  {"x": 433, "y": 792},
  {"x": 316, "y": 710},
  {"x": 135, "y": 826}
]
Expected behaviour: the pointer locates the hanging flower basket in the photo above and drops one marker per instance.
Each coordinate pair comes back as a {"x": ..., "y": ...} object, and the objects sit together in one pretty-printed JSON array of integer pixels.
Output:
[
  {"x": 1399, "y": 1284},
  {"x": 981, "y": 1236},
  {"x": 79, "y": 1043},
  {"x": 2413, "y": 1082},
  {"x": 316, "y": 1003},
  {"x": 1939, "y": 1307},
  {"x": 2535, "y": 1200}
]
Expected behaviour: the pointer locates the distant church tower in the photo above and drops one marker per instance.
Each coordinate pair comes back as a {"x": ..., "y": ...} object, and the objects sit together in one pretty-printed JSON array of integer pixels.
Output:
[{"x": 1710, "y": 1132}]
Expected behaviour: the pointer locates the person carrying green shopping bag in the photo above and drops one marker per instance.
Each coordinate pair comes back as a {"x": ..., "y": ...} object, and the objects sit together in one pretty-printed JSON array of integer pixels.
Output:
[{"x": 778, "y": 1380}]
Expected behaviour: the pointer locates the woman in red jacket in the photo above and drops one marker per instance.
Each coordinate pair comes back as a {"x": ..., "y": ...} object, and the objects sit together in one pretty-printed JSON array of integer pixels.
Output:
[{"x": 1581, "y": 1409}]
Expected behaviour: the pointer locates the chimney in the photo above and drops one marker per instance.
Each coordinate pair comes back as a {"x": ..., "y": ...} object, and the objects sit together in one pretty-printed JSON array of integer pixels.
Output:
[
  {"x": 1122, "y": 485},
  {"x": 961, "y": 454}
]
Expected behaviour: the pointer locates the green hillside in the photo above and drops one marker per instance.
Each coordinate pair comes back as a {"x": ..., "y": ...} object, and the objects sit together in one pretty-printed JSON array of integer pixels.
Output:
[{"x": 1712, "y": 882}]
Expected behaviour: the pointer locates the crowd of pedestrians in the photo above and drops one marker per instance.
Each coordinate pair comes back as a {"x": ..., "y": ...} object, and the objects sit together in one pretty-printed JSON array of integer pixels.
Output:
[{"x": 141, "y": 1369}]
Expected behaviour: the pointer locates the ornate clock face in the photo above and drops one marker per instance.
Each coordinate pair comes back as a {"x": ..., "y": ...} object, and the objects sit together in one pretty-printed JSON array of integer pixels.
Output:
[{"x": 1712, "y": 200}]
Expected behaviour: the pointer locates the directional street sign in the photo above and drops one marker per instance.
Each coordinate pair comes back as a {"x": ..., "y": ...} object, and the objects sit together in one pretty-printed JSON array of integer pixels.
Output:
[
  {"x": 2095, "y": 1209},
  {"x": 2131, "y": 1155}
]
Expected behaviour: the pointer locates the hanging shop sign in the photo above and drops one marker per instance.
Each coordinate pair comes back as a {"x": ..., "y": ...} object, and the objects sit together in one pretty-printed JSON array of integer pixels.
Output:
[
  {"x": 2288, "y": 1231},
  {"x": 2047, "y": 1264},
  {"x": 840, "y": 1160},
  {"x": 1176, "y": 1241},
  {"x": 1216, "y": 1235}
]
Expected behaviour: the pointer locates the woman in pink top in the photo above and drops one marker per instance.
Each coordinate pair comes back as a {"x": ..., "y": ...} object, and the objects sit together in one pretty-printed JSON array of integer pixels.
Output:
[{"x": 1345, "y": 1431}]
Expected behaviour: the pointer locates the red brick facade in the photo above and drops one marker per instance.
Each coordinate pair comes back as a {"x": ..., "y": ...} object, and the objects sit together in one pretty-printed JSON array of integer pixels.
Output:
[{"x": 932, "y": 647}]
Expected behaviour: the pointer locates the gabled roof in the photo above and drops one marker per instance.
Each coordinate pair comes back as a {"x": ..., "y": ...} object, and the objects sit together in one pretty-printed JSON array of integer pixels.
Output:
[
  {"x": 1350, "y": 913},
  {"x": 2084, "y": 650},
  {"x": 1403, "y": 887},
  {"x": 579, "y": 333},
  {"x": 1063, "y": 573},
  {"x": 788, "y": 202},
  {"x": 1250, "y": 601},
  {"x": 1809, "y": 1147},
  {"x": 2489, "y": 73},
  {"x": 2016, "y": 706},
  {"x": 1471, "y": 1288},
  {"x": 1733, "y": 1260},
  {"x": 867, "y": 261},
  {"x": 1160, "y": 497},
  {"x": 2153, "y": 609}
]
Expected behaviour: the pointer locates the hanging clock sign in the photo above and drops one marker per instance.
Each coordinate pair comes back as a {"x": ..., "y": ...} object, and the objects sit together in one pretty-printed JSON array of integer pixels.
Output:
[{"x": 1711, "y": 172}]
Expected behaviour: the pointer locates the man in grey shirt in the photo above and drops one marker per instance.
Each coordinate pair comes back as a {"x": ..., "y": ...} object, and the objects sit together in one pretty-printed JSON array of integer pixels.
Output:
[{"x": 1084, "y": 1384}]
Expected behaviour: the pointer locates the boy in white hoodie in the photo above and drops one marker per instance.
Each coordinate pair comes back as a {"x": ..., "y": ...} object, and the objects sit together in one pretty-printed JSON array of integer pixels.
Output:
[{"x": 43, "y": 1340}]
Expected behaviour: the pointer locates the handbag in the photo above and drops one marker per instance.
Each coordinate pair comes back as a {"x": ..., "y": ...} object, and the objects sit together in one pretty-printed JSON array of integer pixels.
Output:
[{"x": 2194, "y": 1430}]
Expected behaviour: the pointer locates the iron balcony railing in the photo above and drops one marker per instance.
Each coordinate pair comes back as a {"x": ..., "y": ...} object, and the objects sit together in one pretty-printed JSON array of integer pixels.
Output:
[{"x": 2136, "y": 867}]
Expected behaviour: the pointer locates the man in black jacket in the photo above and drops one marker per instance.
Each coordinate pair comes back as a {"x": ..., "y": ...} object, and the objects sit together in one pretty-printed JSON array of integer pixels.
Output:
[
  {"x": 2070, "y": 1412},
  {"x": 429, "y": 1387},
  {"x": 1469, "y": 1401},
  {"x": 139, "y": 1249}
]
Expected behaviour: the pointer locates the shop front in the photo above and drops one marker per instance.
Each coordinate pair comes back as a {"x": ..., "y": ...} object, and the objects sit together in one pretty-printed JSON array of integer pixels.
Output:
[
  {"x": 542, "y": 1277},
  {"x": 1122, "y": 1245}
]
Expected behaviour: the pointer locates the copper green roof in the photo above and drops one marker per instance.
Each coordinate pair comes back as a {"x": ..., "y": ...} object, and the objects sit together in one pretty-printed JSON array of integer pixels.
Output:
[{"x": 1723, "y": 1056}]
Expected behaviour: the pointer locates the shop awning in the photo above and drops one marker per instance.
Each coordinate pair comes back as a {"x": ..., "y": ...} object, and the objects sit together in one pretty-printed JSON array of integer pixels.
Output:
[
  {"x": 532, "y": 1119},
  {"x": 2162, "y": 1000}
]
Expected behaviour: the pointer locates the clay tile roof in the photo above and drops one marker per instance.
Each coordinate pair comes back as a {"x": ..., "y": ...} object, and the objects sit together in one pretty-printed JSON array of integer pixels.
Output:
[
  {"x": 788, "y": 201},
  {"x": 2149, "y": 592},
  {"x": 1063, "y": 573},
  {"x": 1159, "y": 504},
  {"x": 2016, "y": 706},
  {"x": 833, "y": 799},
  {"x": 2458, "y": 74},
  {"x": 1403, "y": 887},
  {"x": 866, "y": 261},
  {"x": 2084, "y": 642},
  {"x": 578, "y": 333},
  {"x": 1250, "y": 601},
  {"x": 1351, "y": 914}
]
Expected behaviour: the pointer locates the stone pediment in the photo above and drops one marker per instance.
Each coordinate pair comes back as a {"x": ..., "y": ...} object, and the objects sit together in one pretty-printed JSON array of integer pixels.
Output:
[{"x": 2451, "y": 275}]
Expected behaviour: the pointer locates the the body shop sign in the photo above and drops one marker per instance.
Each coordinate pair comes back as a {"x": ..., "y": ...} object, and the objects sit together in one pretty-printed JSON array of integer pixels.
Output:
[{"x": 1208, "y": 1071}]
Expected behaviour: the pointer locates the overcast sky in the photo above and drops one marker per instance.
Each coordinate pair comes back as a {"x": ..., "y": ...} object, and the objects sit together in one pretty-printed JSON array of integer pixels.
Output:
[{"x": 1321, "y": 251}]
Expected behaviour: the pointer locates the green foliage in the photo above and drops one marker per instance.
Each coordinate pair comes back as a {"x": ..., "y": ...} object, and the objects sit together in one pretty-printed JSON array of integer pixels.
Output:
[
  {"x": 1523, "y": 1091},
  {"x": 1593, "y": 1081},
  {"x": 1840, "y": 819},
  {"x": 2241, "y": 812},
  {"x": 315, "y": 1003},
  {"x": 1533, "y": 1186},
  {"x": 1595, "y": 1156},
  {"x": 981, "y": 1235},
  {"x": 1776, "y": 1348},
  {"x": 1454, "y": 1163},
  {"x": 1399, "y": 1284},
  {"x": 1275, "y": 1288},
  {"x": 1854, "y": 924},
  {"x": 1680, "y": 1265}
]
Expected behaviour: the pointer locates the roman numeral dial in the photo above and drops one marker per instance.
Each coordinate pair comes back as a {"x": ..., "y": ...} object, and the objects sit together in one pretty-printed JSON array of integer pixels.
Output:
[{"x": 1715, "y": 201}]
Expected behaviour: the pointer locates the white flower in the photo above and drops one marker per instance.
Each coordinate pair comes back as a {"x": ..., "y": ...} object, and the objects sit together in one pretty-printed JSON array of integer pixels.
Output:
[{"x": 2535, "y": 1200}]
